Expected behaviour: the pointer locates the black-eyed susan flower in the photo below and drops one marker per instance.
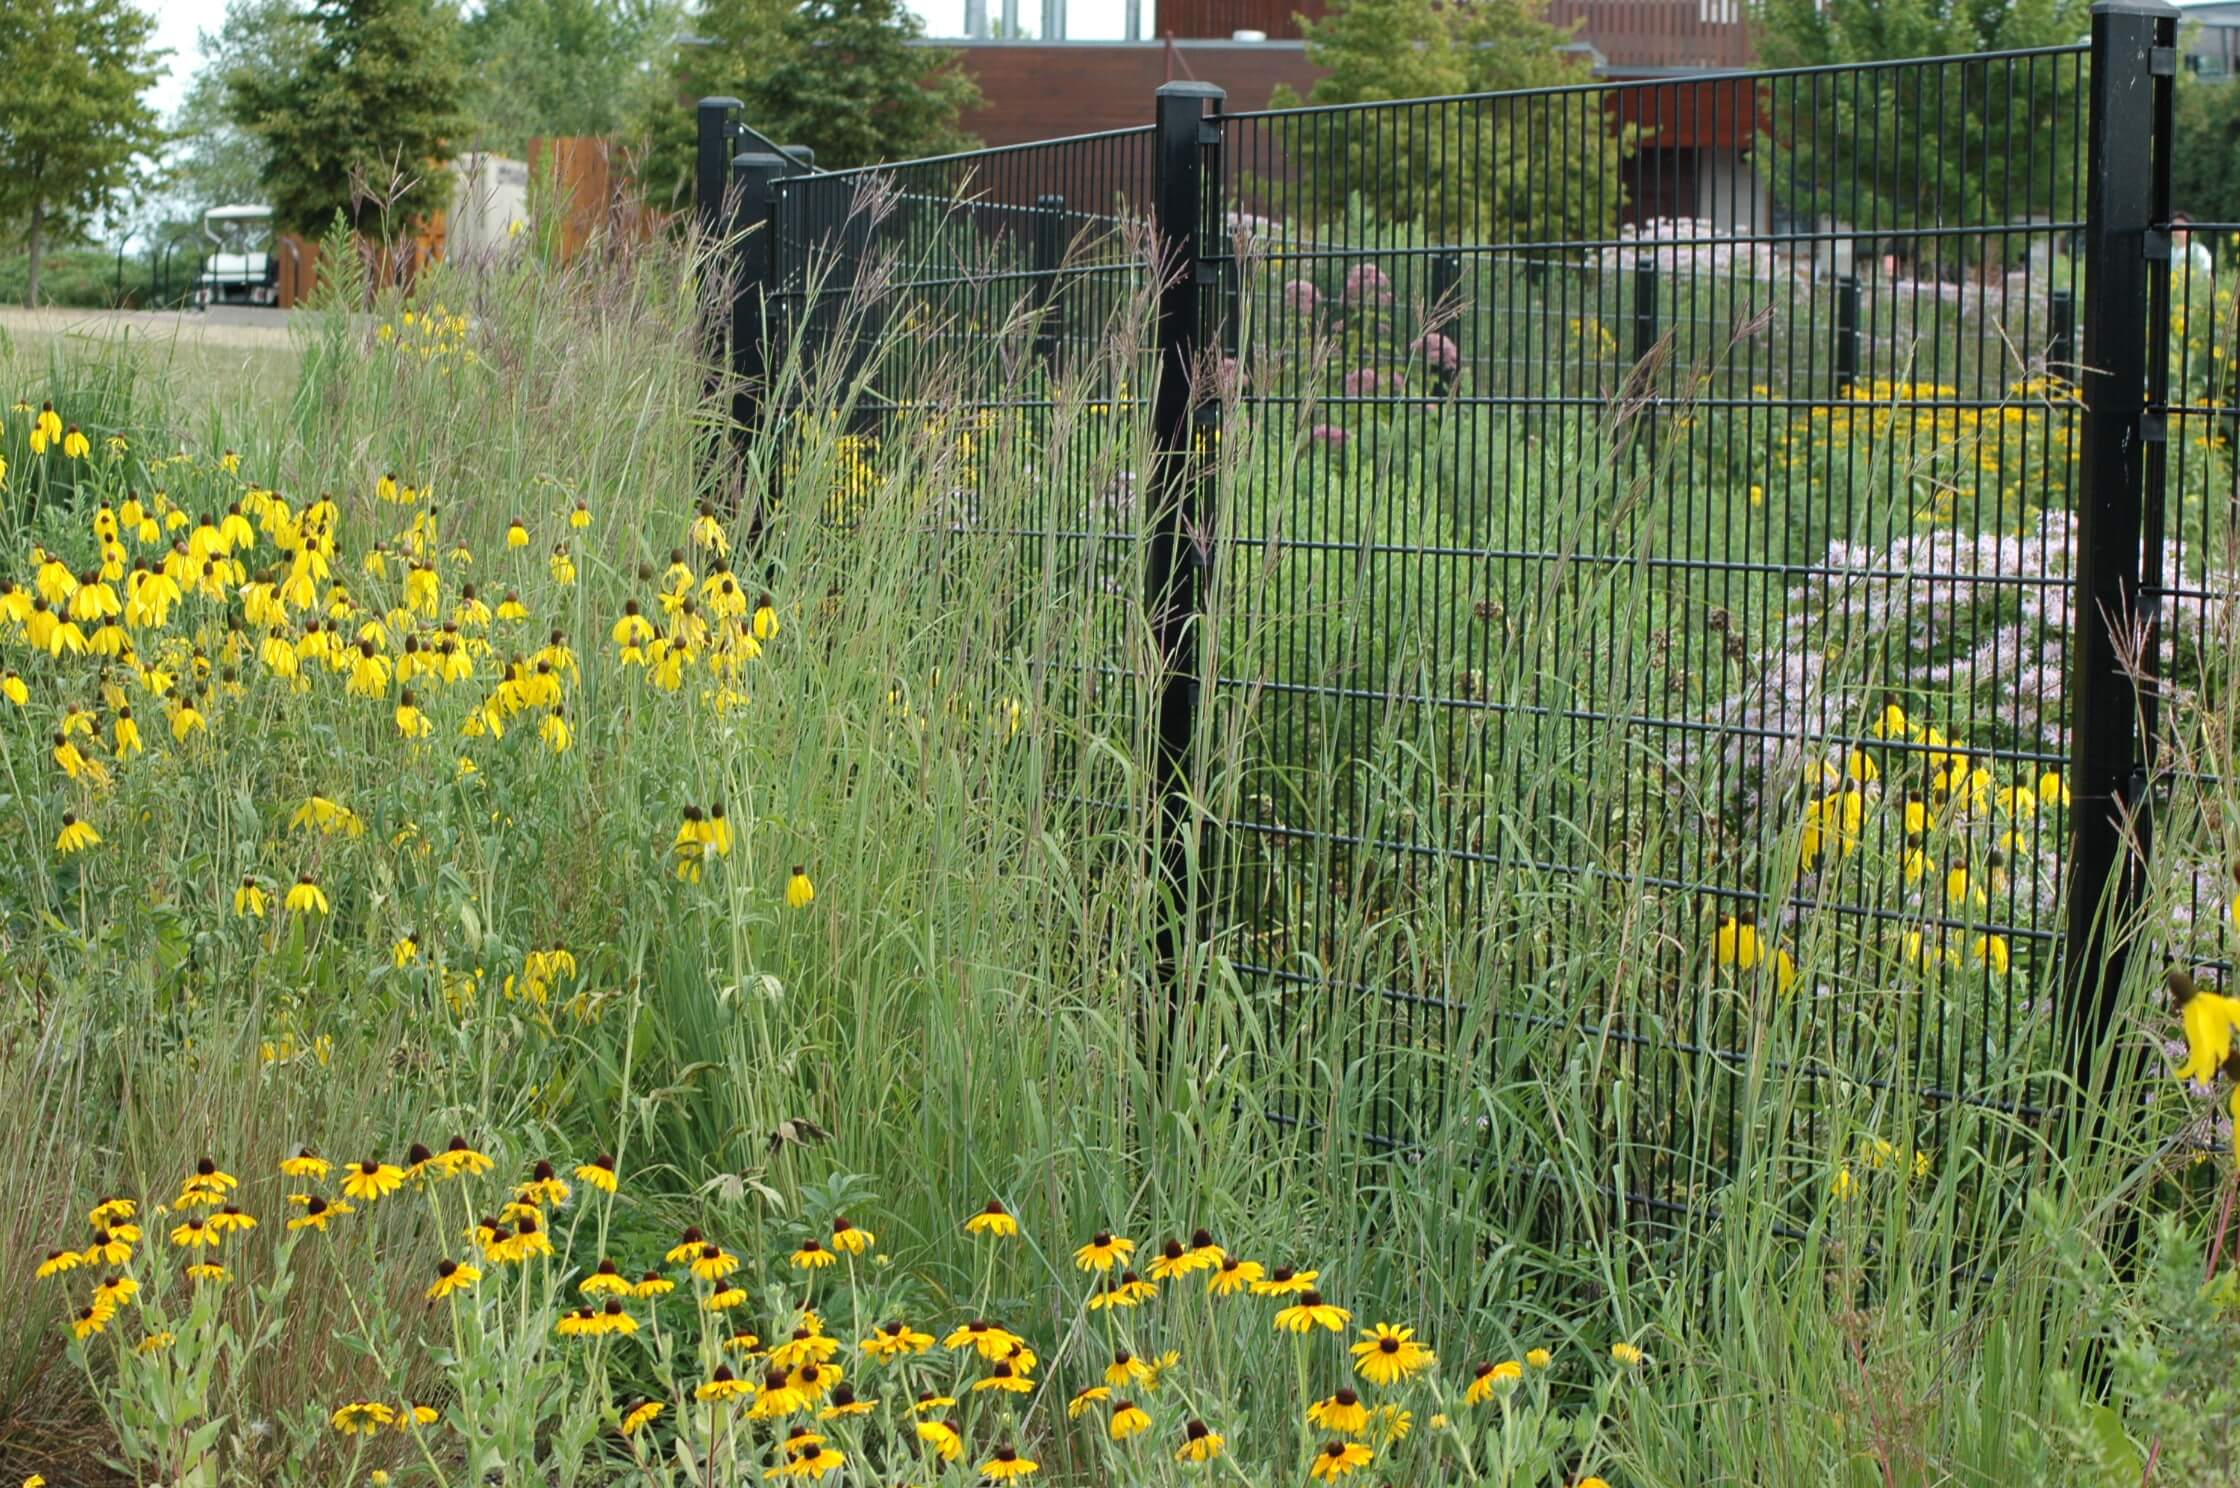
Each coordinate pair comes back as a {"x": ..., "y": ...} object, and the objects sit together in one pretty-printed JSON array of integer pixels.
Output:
[
  {"x": 1311, "y": 1312},
  {"x": 812, "y": 1256},
  {"x": 208, "y": 1271},
  {"x": 1006, "y": 1462},
  {"x": 851, "y": 1239},
  {"x": 1341, "y": 1412},
  {"x": 640, "y": 1416},
  {"x": 726, "y": 1299},
  {"x": 1173, "y": 1262},
  {"x": 306, "y": 897},
  {"x": 993, "y": 1220},
  {"x": 116, "y": 1290},
  {"x": 111, "y": 1211},
  {"x": 606, "y": 1280},
  {"x": 579, "y": 1322},
  {"x": 1391, "y": 1423},
  {"x": 1084, "y": 1398},
  {"x": 598, "y": 1173},
  {"x": 1004, "y": 1377},
  {"x": 1335, "y": 1459},
  {"x": 371, "y": 1179},
  {"x": 1126, "y": 1370},
  {"x": 1285, "y": 1282},
  {"x": 895, "y": 1341},
  {"x": 806, "y": 1346},
  {"x": 991, "y": 1339},
  {"x": 813, "y": 1381},
  {"x": 943, "y": 1438},
  {"x": 76, "y": 835},
  {"x": 231, "y": 1220},
  {"x": 155, "y": 1343},
  {"x": 711, "y": 1262},
  {"x": 92, "y": 1320},
  {"x": 799, "y": 891},
  {"x": 613, "y": 1319},
  {"x": 1130, "y": 1290},
  {"x": 745, "y": 1341},
  {"x": 452, "y": 1276},
  {"x": 651, "y": 1285},
  {"x": 108, "y": 1249},
  {"x": 844, "y": 1403},
  {"x": 1104, "y": 1251},
  {"x": 778, "y": 1399},
  {"x": 723, "y": 1385},
  {"x": 1488, "y": 1377},
  {"x": 545, "y": 1186},
  {"x": 528, "y": 1239},
  {"x": 362, "y": 1418},
  {"x": 459, "y": 1158},
  {"x": 1386, "y": 1355},
  {"x": 57, "y": 1262},
  {"x": 316, "y": 1213},
  {"x": 1128, "y": 1419},
  {"x": 1232, "y": 1276},
  {"x": 1200, "y": 1443},
  {"x": 928, "y": 1402}
]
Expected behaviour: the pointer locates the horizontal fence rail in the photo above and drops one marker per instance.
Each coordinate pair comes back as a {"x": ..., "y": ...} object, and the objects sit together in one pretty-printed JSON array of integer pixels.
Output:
[{"x": 1415, "y": 446}]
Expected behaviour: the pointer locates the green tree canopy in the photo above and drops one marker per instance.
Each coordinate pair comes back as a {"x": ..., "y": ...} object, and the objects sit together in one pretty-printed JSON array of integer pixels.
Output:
[
  {"x": 562, "y": 67},
  {"x": 367, "y": 124},
  {"x": 1951, "y": 145},
  {"x": 72, "y": 119},
  {"x": 1476, "y": 172},
  {"x": 217, "y": 161}
]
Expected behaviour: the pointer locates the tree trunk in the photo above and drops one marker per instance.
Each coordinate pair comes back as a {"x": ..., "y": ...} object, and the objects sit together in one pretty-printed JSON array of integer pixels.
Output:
[{"x": 36, "y": 241}]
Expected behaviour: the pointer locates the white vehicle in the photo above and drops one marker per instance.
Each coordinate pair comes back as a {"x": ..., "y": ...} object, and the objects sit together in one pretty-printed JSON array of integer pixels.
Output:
[{"x": 241, "y": 270}]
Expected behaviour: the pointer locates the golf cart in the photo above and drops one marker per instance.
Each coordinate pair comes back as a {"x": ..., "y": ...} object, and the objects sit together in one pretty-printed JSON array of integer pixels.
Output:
[{"x": 242, "y": 270}]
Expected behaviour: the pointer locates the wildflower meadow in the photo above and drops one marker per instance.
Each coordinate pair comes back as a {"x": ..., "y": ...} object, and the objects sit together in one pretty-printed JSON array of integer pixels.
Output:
[{"x": 544, "y": 946}]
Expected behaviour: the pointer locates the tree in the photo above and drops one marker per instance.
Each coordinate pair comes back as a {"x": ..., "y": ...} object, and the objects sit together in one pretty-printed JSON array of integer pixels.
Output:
[
  {"x": 847, "y": 82},
  {"x": 844, "y": 77},
  {"x": 1907, "y": 147},
  {"x": 72, "y": 123},
  {"x": 1546, "y": 171},
  {"x": 218, "y": 161},
  {"x": 367, "y": 124},
  {"x": 561, "y": 67},
  {"x": 2205, "y": 154}
]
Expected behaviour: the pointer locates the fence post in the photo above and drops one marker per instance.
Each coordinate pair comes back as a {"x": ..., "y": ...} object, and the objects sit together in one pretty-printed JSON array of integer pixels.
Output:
[
  {"x": 1847, "y": 332},
  {"x": 1644, "y": 311},
  {"x": 1446, "y": 314},
  {"x": 712, "y": 161},
  {"x": 755, "y": 177},
  {"x": 2126, "y": 197},
  {"x": 2061, "y": 344},
  {"x": 1176, "y": 557}
]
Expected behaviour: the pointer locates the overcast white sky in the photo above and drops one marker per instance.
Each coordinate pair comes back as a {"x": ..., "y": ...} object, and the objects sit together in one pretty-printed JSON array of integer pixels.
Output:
[{"x": 178, "y": 22}]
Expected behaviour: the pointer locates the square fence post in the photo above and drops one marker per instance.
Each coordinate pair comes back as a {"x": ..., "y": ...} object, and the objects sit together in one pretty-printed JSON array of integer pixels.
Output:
[
  {"x": 712, "y": 163},
  {"x": 1446, "y": 313},
  {"x": 1186, "y": 137},
  {"x": 2061, "y": 340},
  {"x": 1049, "y": 254},
  {"x": 753, "y": 224},
  {"x": 2127, "y": 246},
  {"x": 1847, "y": 333}
]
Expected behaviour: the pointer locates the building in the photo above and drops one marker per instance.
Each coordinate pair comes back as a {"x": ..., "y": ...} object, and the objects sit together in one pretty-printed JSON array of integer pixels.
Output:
[{"x": 1043, "y": 78}]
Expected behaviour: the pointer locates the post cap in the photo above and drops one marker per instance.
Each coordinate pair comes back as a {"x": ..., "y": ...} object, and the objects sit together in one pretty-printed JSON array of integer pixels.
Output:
[
  {"x": 1191, "y": 88},
  {"x": 800, "y": 155},
  {"x": 2155, "y": 8},
  {"x": 758, "y": 160},
  {"x": 708, "y": 105}
]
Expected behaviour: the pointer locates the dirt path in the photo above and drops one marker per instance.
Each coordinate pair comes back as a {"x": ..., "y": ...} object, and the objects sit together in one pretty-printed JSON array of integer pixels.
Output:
[{"x": 226, "y": 329}]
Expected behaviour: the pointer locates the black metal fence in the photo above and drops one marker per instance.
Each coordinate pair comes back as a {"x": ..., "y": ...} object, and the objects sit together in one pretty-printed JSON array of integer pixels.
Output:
[{"x": 1835, "y": 515}]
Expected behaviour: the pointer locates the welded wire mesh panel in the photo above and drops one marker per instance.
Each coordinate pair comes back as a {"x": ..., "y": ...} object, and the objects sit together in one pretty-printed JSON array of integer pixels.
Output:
[
  {"x": 976, "y": 321},
  {"x": 1651, "y": 527}
]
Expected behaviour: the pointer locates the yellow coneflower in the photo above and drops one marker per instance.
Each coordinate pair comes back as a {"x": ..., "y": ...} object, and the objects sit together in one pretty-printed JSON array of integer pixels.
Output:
[
  {"x": 598, "y": 1173},
  {"x": 517, "y": 534},
  {"x": 75, "y": 836},
  {"x": 306, "y": 897},
  {"x": 1311, "y": 1312},
  {"x": 1128, "y": 1419},
  {"x": 1104, "y": 1251},
  {"x": 799, "y": 891},
  {"x": 1007, "y": 1463},
  {"x": 1232, "y": 1276},
  {"x": 580, "y": 518},
  {"x": 2210, "y": 1021},
  {"x": 1386, "y": 1355},
  {"x": 1342, "y": 1412},
  {"x": 640, "y": 1416},
  {"x": 371, "y": 1179},
  {"x": 851, "y": 1239},
  {"x": 943, "y": 1438},
  {"x": 249, "y": 899},
  {"x": 452, "y": 1276},
  {"x": 993, "y": 1220},
  {"x": 1200, "y": 1443}
]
